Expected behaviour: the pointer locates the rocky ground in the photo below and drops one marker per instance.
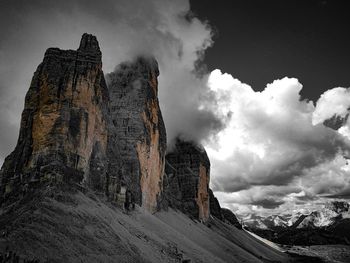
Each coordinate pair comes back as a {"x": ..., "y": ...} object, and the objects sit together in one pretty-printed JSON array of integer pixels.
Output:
[
  {"x": 71, "y": 226},
  {"x": 320, "y": 253},
  {"x": 326, "y": 253}
]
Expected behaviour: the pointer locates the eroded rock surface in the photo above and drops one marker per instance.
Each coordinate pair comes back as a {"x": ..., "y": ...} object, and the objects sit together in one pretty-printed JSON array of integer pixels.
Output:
[
  {"x": 137, "y": 143},
  {"x": 230, "y": 217},
  {"x": 63, "y": 133},
  {"x": 215, "y": 208},
  {"x": 187, "y": 179}
]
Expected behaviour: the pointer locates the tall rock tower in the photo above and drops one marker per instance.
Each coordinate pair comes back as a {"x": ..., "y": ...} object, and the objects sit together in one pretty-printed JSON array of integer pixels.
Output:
[
  {"x": 137, "y": 142},
  {"x": 63, "y": 133},
  {"x": 186, "y": 183}
]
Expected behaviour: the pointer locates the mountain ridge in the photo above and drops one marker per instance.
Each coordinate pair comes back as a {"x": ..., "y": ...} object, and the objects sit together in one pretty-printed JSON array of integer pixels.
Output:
[{"x": 86, "y": 181}]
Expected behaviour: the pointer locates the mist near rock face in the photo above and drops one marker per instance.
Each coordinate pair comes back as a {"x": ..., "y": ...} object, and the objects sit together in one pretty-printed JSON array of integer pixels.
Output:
[
  {"x": 125, "y": 29},
  {"x": 269, "y": 149}
]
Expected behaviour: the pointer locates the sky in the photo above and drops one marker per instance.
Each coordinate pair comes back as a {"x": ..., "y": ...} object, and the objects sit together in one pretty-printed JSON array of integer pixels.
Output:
[
  {"x": 253, "y": 81},
  {"x": 271, "y": 39}
]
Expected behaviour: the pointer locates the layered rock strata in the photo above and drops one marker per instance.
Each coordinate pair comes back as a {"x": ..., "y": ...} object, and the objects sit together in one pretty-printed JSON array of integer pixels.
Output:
[
  {"x": 187, "y": 178},
  {"x": 214, "y": 205},
  {"x": 138, "y": 139},
  {"x": 63, "y": 132}
]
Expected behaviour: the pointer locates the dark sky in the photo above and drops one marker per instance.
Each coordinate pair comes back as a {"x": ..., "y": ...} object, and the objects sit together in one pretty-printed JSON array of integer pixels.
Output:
[{"x": 260, "y": 41}]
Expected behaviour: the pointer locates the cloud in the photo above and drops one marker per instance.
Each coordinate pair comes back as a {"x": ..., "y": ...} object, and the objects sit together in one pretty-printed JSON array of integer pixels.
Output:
[
  {"x": 269, "y": 150},
  {"x": 272, "y": 148},
  {"x": 328, "y": 178},
  {"x": 334, "y": 105},
  {"x": 165, "y": 29},
  {"x": 332, "y": 102},
  {"x": 268, "y": 203}
]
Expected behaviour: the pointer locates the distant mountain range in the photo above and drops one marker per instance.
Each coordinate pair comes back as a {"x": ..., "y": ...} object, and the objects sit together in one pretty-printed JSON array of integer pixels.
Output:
[
  {"x": 331, "y": 213},
  {"x": 329, "y": 225}
]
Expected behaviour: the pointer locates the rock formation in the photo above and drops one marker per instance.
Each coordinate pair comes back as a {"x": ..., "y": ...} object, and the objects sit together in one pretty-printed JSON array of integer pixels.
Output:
[
  {"x": 230, "y": 217},
  {"x": 137, "y": 142},
  {"x": 214, "y": 205},
  {"x": 78, "y": 134},
  {"x": 224, "y": 214},
  {"x": 74, "y": 129},
  {"x": 187, "y": 179},
  {"x": 63, "y": 133}
]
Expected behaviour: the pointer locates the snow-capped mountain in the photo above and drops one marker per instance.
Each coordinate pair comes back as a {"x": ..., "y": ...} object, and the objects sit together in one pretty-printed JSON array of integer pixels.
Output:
[
  {"x": 331, "y": 213},
  {"x": 269, "y": 222}
]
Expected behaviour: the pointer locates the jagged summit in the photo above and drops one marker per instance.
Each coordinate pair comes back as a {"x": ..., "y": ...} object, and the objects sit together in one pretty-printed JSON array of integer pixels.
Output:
[
  {"x": 75, "y": 130},
  {"x": 63, "y": 133},
  {"x": 86, "y": 151},
  {"x": 145, "y": 67},
  {"x": 88, "y": 51},
  {"x": 138, "y": 131},
  {"x": 89, "y": 43}
]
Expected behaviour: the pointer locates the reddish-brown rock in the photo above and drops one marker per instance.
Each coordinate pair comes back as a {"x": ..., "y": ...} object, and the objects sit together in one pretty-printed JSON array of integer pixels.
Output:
[
  {"x": 137, "y": 142},
  {"x": 63, "y": 133},
  {"x": 187, "y": 178}
]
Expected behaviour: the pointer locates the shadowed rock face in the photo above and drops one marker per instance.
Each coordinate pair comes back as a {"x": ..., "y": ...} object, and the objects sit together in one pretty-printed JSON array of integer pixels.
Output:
[
  {"x": 63, "y": 134},
  {"x": 215, "y": 208},
  {"x": 230, "y": 217},
  {"x": 224, "y": 214},
  {"x": 187, "y": 179},
  {"x": 137, "y": 142},
  {"x": 336, "y": 122}
]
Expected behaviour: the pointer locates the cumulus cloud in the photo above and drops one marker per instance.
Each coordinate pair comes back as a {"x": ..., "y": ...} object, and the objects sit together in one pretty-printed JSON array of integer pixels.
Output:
[
  {"x": 165, "y": 29},
  {"x": 272, "y": 148},
  {"x": 269, "y": 150},
  {"x": 332, "y": 102},
  {"x": 334, "y": 107}
]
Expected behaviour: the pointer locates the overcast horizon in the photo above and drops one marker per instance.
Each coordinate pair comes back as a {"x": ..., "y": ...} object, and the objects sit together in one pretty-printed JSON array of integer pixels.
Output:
[{"x": 222, "y": 83}]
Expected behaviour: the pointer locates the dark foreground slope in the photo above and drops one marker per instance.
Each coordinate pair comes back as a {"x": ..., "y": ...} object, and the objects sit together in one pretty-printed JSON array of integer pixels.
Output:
[{"x": 70, "y": 226}]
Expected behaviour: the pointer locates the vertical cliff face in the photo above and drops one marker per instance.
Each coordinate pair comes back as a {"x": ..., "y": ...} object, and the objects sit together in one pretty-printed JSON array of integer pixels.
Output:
[
  {"x": 137, "y": 142},
  {"x": 63, "y": 133},
  {"x": 224, "y": 214},
  {"x": 230, "y": 217},
  {"x": 215, "y": 208},
  {"x": 187, "y": 179}
]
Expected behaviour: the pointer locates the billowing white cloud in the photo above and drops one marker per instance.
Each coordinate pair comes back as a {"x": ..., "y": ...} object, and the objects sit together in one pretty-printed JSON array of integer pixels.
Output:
[
  {"x": 332, "y": 102},
  {"x": 271, "y": 147}
]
